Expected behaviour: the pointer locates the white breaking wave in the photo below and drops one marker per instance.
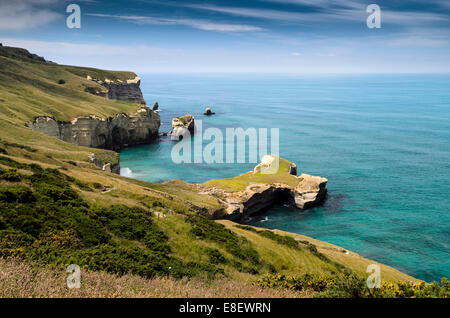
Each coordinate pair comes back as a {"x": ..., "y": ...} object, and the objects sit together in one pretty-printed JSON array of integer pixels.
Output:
[
  {"x": 126, "y": 172},
  {"x": 265, "y": 219}
]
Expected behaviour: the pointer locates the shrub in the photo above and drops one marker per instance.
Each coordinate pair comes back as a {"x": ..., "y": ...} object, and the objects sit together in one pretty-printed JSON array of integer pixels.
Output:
[
  {"x": 216, "y": 232},
  {"x": 353, "y": 286},
  {"x": 16, "y": 145},
  {"x": 57, "y": 193},
  {"x": 281, "y": 239},
  {"x": 17, "y": 194},
  {"x": 304, "y": 282},
  {"x": 82, "y": 185},
  {"x": 215, "y": 257},
  {"x": 133, "y": 223},
  {"x": 10, "y": 175},
  {"x": 12, "y": 163},
  {"x": 61, "y": 82},
  {"x": 97, "y": 186}
]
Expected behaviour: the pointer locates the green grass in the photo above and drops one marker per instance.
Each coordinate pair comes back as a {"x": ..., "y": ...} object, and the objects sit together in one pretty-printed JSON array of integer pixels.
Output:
[
  {"x": 239, "y": 183},
  {"x": 185, "y": 119},
  {"x": 52, "y": 199},
  {"x": 31, "y": 89}
]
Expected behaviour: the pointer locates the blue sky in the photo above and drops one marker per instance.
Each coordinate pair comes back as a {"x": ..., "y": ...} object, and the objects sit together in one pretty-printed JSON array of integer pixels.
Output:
[{"x": 264, "y": 36}]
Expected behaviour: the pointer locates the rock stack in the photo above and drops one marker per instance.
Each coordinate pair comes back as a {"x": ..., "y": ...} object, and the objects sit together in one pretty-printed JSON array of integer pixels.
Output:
[
  {"x": 208, "y": 112},
  {"x": 183, "y": 126}
]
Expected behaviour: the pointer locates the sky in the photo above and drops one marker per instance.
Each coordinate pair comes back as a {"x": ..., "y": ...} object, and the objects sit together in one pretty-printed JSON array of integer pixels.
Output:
[{"x": 258, "y": 36}]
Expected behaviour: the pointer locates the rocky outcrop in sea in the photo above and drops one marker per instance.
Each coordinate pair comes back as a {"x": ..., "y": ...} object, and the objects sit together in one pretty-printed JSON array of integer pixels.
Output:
[{"x": 182, "y": 126}]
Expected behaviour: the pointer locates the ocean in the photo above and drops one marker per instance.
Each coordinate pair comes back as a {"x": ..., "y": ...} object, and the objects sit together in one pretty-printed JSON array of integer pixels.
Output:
[{"x": 382, "y": 141}]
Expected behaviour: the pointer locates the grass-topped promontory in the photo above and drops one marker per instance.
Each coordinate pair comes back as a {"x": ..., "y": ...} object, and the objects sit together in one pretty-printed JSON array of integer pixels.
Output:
[
  {"x": 241, "y": 182},
  {"x": 185, "y": 119},
  {"x": 31, "y": 89},
  {"x": 57, "y": 208}
]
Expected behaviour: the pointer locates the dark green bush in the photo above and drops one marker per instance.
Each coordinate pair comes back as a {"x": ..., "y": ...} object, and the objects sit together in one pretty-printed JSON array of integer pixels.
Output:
[
  {"x": 17, "y": 194},
  {"x": 82, "y": 185},
  {"x": 303, "y": 282},
  {"x": 215, "y": 257},
  {"x": 10, "y": 175},
  {"x": 97, "y": 186},
  {"x": 12, "y": 163},
  {"x": 134, "y": 223},
  {"x": 16, "y": 145},
  {"x": 216, "y": 232},
  {"x": 281, "y": 239}
]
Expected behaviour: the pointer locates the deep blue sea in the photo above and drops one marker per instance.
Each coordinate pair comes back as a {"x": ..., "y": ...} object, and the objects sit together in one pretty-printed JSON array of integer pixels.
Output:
[{"x": 383, "y": 142}]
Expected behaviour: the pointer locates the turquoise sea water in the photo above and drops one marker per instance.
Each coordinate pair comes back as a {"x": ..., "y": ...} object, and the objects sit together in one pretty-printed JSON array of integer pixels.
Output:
[{"x": 383, "y": 141}]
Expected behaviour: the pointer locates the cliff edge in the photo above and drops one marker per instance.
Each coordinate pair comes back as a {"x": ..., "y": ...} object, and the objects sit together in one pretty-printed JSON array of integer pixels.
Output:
[{"x": 273, "y": 181}]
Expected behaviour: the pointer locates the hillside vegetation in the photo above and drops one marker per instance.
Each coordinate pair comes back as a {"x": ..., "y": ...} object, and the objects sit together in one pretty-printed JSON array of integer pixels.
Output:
[{"x": 56, "y": 208}]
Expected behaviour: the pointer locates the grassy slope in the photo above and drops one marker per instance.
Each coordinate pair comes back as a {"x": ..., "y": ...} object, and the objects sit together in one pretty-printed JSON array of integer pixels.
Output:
[
  {"x": 30, "y": 89},
  {"x": 23, "y": 279}
]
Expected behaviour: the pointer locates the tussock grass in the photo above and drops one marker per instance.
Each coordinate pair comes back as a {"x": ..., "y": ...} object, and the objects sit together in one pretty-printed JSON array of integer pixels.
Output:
[{"x": 24, "y": 279}]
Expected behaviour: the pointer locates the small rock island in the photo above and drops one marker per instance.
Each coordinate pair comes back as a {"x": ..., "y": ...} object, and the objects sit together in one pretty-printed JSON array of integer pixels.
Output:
[
  {"x": 208, "y": 112},
  {"x": 181, "y": 126}
]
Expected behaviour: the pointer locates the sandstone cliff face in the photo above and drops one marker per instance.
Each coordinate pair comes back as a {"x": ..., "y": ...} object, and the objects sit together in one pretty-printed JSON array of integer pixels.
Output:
[
  {"x": 111, "y": 133},
  {"x": 128, "y": 91}
]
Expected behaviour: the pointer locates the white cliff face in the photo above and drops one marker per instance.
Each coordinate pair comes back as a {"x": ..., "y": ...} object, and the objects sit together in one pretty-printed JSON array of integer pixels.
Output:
[
  {"x": 128, "y": 91},
  {"x": 108, "y": 133},
  {"x": 310, "y": 191},
  {"x": 112, "y": 133}
]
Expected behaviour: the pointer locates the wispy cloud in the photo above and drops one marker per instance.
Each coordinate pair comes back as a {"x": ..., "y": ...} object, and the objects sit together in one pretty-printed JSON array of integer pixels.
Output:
[
  {"x": 26, "y": 14},
  {"x": 419, "y": 37},
  {"x": 322, "y": 3},
  {"x": 330, "y": 11},
  {"x": 194, "y": 23}
]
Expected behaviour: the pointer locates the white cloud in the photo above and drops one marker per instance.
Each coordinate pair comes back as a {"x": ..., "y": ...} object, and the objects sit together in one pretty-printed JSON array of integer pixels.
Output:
[
  {"x": 194, "y": 23},
  {"x": 26, "y": 14},
  {"x": 344, "y": 11}
]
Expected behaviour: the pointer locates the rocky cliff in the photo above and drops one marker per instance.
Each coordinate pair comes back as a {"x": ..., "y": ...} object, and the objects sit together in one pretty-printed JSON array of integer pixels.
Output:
[
  {"x": 111, "y": 133},
  {"x": 263, "y": 191},
  {"x": 128, "y": 91}
]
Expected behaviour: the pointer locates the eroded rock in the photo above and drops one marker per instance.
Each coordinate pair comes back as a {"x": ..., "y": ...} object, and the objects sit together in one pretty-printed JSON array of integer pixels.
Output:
[
  {"x": 128, "y": 91},
  {"x": 111, "y": 133},
  {"x": 310, "y": 191},
  {"x": 182, "y": 127},
  {"x": 302, "y": 192},
  {"x": 208, "y": 112}
]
